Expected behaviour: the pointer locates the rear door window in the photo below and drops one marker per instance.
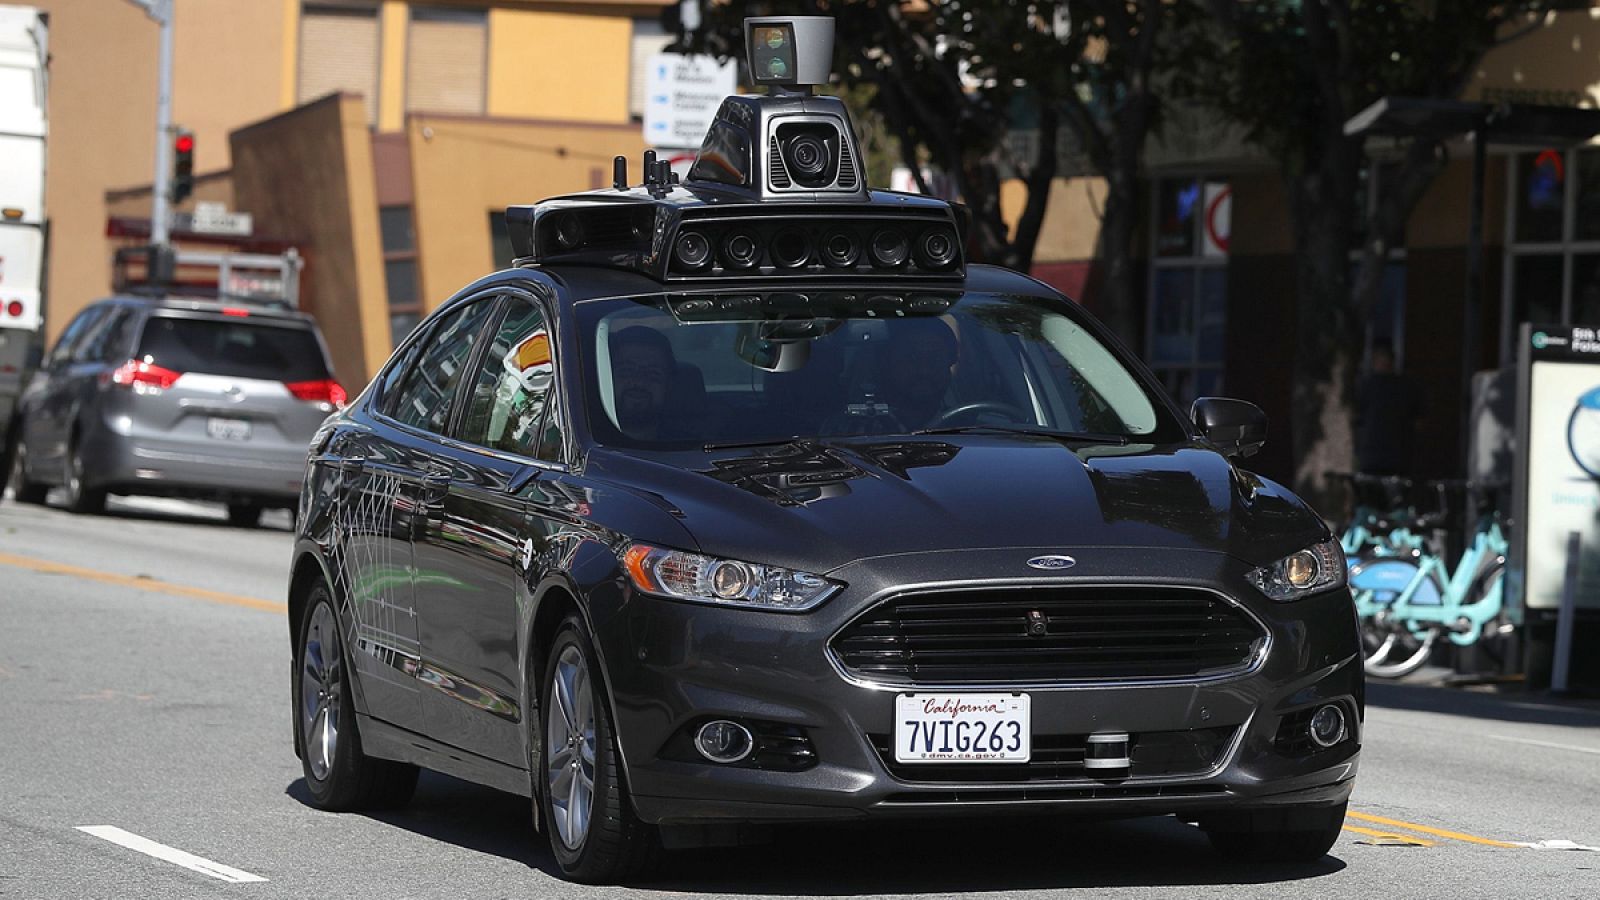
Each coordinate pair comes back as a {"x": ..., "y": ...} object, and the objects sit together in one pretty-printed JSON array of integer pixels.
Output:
[
  {"x": 424, "y": 396},
  {"x": 235, "y": 348}
]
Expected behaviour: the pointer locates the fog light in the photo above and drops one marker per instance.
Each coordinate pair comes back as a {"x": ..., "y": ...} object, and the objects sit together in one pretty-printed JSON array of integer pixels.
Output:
[
  {"x": 1327, "y": 726},
  {"x": 723, "y": 741}
]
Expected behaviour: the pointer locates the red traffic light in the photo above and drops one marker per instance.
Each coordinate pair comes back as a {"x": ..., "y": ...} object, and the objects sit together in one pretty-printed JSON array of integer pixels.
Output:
[{"x": 184, "y": 143}]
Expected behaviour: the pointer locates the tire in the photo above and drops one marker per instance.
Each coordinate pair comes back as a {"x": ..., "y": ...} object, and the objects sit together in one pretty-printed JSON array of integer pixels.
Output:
[
  {"x": 1295, "y": 834},
  {"x": 339, "y": 777},
  {"x": 25, "y": 489},
  {"x": 595, "y": 839},
  {"x": 81, "y": 499},
  {"x": 244, "y": 515}
]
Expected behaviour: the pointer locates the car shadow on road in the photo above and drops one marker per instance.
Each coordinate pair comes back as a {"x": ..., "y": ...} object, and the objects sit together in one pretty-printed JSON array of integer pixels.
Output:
[
  {"x": 1533, "y": 709},
  {"x": 466, "y": 815},
  {"x": 933, "y": 857}
]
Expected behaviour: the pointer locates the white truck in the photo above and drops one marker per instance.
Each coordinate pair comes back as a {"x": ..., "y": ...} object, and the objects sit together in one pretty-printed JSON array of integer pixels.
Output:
[{"x": 24, "y": 55}]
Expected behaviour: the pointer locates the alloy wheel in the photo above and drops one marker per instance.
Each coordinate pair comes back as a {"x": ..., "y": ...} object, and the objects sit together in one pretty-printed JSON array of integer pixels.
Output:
[
  {"x": 321, "y": 686},
  {"x": 570, "y": 747}
]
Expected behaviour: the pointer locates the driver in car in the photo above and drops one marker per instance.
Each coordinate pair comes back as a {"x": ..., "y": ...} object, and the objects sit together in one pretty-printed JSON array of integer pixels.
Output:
[
  {"x": 918, "y": 368},
  {"x": 642, "y": 365}
]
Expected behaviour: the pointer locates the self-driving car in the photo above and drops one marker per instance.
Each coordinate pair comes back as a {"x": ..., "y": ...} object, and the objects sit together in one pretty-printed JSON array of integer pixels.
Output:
[{"x": 745, "y": 499}]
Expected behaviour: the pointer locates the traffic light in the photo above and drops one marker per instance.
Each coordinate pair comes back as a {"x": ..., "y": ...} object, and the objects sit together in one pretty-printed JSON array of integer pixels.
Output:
[{"x": 182, "y": 166}]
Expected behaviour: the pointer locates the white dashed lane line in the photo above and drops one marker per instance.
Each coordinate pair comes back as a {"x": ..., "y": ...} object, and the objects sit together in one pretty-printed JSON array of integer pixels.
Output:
[
  {"x": 1548, "y": 744},
  {"x": 169, "y": 854}
]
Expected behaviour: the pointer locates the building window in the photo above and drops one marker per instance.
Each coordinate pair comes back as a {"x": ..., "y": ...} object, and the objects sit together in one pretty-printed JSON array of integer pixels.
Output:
[
  {"x": 1188, "y": 314},
  {"x": 447, "y": 57},
  {"x": 339, "y": 52},
  {"x": 1553, "y": 254},
  {"x": 400, "y": 270}
]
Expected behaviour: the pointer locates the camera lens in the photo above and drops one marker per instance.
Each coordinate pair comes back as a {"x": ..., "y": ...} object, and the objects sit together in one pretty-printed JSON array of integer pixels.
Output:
[
  {"x": 936, "y": 249},
  {"x": 569, "y": 231},
  {"x": 840, "y": 249},
  {"x": 807, "y": 156},
  {"x": 691, "y": 250},
  {"x": 790, "y": 249},
  {"x": 739, "y": 250},
  {"x": 889, "y": 247}
]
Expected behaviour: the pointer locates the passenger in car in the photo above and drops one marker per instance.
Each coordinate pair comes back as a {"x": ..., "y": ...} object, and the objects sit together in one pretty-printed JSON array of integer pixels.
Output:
[{"x": 917, "y": 369}]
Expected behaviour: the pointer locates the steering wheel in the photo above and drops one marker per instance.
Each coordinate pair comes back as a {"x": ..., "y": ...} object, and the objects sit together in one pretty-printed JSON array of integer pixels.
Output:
[{"x": 1012, "y": 413}]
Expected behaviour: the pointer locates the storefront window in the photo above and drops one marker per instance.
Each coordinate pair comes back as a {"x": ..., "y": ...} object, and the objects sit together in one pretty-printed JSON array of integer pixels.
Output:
[
  {"x": 1186, "y": 343},
  {"x": 1553, "y": 262}
]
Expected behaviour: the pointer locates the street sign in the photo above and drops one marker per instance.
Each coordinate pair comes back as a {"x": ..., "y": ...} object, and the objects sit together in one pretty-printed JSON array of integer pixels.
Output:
[
  {"x": 214, "y": 218},
  {"x": 682, "y": 94},
  {"x": 1557, "y": 474}
]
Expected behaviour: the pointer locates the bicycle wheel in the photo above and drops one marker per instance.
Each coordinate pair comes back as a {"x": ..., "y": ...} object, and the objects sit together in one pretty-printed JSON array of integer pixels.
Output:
[{"x": 1390, "y": 647}]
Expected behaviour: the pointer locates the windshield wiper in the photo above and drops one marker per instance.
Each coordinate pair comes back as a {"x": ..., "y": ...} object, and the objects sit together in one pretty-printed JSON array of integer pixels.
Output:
[
  {"x": 1077, "y": 437},
  {"x": 743, "y": 445}
]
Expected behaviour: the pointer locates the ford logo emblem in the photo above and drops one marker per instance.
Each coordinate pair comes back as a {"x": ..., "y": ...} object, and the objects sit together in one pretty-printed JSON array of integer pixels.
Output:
[{"x": 1052, "y": 563}]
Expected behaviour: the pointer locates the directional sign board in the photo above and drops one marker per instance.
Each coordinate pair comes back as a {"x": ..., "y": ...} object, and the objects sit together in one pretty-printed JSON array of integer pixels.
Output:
[
  {"x": 682, "y": 96},
  {"x": 214, "y": 218}
]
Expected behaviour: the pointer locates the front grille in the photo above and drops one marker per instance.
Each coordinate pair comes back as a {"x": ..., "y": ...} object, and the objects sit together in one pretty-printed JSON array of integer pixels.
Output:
[
  {"x": 1059, "y": 758},
  {"x": 1088, "y": 633}
]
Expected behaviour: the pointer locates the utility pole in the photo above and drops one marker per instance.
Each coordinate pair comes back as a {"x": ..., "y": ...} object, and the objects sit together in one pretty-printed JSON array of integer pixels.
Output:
[{"x": 160, "y": 11}]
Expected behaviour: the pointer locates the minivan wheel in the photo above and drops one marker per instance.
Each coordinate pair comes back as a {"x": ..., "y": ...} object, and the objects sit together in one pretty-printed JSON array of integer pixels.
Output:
[
  {"x": 80, "y": 498},
  {"x": 244, "y": 515},
  {"x": 1299, "y": 834},
  {"x": 26, "y": 489},
  {"x": 594, "y": 834},
  {"x": 339, "y": 776}
]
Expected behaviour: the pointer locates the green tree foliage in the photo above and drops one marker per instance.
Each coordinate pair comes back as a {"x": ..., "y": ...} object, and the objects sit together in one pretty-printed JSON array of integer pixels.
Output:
[
  {"x": 952, "y": 80},
  {"x": 1292, "y": 72}
]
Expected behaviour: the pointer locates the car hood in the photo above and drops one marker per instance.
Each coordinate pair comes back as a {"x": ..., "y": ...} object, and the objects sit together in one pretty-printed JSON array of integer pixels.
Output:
[{"x": 820, "y": 505}]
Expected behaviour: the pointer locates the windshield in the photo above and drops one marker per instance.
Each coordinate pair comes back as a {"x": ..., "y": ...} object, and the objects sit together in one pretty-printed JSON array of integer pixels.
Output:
[{"x": 678, "y": 371}]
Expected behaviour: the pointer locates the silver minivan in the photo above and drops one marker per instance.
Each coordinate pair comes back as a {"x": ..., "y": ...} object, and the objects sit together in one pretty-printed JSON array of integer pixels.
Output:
[{"x": 176, "y": 397}]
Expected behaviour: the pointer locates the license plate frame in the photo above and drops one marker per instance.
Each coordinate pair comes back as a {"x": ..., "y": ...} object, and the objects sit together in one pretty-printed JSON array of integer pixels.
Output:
[
  {"x": 938, "y": 727},
  {"x": 221, "y": 429}
]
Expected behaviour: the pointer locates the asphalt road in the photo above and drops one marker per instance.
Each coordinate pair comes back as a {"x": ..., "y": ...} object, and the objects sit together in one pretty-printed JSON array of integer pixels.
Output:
[{"x": 144, "y": 663}]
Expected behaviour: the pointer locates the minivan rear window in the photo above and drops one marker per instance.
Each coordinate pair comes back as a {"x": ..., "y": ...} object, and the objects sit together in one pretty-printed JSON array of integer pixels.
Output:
[{"x": 236, "y": 348}]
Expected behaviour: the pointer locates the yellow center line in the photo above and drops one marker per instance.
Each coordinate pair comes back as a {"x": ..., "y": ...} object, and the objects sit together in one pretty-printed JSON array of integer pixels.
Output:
[
  {"x": 1439, "y": 832},
  {"x": 153, "y": 585},
  {"x": 1389, "y": 835}
]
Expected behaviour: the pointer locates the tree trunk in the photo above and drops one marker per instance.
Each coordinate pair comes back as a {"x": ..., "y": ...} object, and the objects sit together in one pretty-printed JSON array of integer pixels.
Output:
[
  {"x": 1326, "y": 333},
  {"x": 1119, "y": 291}
]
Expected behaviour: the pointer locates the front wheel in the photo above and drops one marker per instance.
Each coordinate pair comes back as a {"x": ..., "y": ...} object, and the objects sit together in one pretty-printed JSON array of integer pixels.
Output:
[
  {"x": 25, "y": 488},
  {"x": 338, "y": 775},
  {"x": 1297, "y": 834},
  {"x": 594, "y": 834}
]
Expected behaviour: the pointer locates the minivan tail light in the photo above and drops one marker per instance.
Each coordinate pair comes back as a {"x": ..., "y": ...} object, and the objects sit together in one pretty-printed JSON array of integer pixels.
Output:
[
  {"x": 135, "y": 372},
  {"x": 324, "y": 390}
]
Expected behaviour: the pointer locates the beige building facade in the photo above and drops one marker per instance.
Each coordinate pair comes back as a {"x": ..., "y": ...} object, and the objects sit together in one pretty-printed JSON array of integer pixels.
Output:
[{"x": 378, "y": 137}]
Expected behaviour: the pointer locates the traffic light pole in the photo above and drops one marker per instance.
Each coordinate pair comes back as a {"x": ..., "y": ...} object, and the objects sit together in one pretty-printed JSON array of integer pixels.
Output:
[{"x": 160, "y": 265}]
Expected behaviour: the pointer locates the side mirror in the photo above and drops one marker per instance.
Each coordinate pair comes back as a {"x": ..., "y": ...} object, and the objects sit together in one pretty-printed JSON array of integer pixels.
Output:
[{"x": 1236, "y": 427}]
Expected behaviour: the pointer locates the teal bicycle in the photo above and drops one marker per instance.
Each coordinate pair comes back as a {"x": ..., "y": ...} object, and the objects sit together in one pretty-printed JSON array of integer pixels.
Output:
[
  {"x": 1384, "y": 520},
  {"x": 1409, "y": 600}
]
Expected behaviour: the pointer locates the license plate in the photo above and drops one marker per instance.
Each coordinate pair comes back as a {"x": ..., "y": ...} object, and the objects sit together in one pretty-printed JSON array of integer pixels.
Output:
[
  {"x": 228, "y": 429},
  {"x": 963, "y": 728}
]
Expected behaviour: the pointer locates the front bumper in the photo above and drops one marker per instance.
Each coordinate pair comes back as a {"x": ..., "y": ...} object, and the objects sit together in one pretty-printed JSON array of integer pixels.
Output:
[{"x": 672, "y": 665}]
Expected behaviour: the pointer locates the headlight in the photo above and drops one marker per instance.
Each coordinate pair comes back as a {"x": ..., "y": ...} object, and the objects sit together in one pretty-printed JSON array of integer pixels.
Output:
[
  {"x": 725, "y": 582},
  {"x": 1302, "y": 573}
]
